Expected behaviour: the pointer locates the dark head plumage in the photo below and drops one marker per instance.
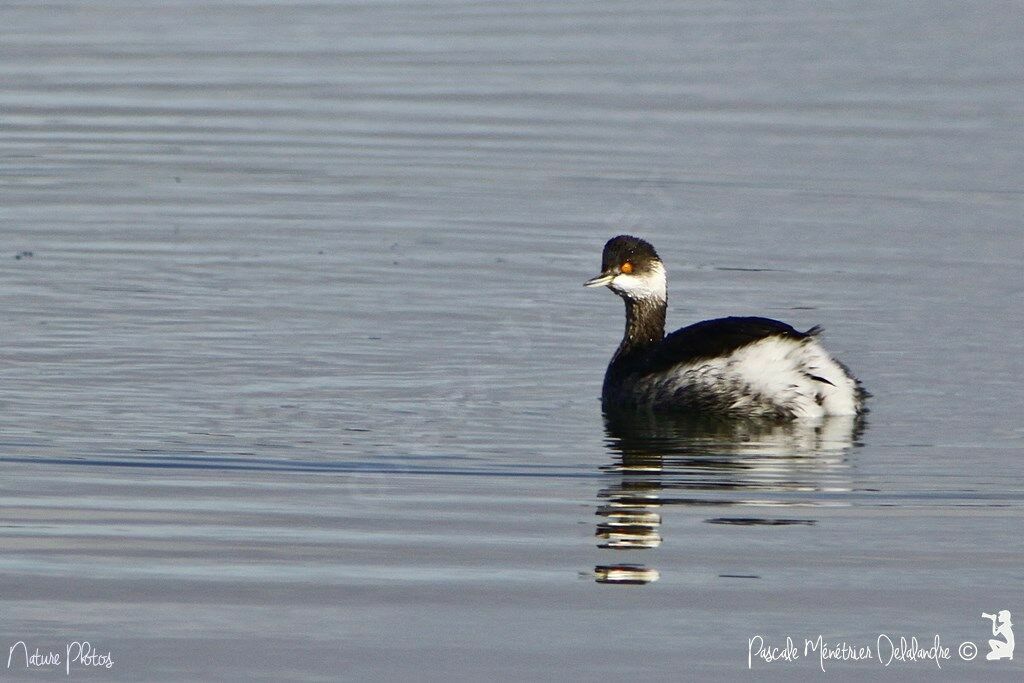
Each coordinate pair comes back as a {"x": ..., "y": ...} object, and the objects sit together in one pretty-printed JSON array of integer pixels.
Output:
[
  {"x": 628, "y": 249},
  {"x": 631, "y": 268}
]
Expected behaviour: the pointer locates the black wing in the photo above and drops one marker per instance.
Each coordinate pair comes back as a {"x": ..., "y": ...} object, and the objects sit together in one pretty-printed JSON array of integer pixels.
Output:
[{"x": 719, "y": 337}]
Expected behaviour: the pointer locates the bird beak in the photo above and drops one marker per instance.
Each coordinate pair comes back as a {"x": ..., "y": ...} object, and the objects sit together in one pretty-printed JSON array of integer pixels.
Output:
[{"x": 602, "y": 279}]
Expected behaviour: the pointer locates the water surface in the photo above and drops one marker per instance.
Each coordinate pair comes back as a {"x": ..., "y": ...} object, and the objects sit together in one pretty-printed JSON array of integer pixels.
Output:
[{"x": 298, "y": 380}]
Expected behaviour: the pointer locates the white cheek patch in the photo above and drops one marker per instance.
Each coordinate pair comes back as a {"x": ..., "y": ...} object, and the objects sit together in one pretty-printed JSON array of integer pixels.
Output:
[{"x": 650, "y": 285}]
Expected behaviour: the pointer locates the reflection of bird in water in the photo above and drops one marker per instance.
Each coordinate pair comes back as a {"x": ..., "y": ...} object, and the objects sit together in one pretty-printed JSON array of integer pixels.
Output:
[
  {"x": 661, "y": 460},
  {"x": 722, "y": 453},
  {"x": 740, "y": 367}
]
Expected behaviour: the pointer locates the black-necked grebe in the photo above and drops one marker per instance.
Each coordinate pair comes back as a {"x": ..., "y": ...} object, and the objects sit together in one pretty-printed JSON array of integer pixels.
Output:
[{"x": 739, "y": 367}]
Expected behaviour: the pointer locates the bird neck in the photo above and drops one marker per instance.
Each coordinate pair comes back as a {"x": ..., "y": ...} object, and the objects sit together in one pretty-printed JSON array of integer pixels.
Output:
[{"x": 645, "y": 324}]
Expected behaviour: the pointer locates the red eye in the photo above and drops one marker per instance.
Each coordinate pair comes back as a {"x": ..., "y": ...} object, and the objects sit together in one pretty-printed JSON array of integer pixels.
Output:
[{"x": 627, "y": 268}]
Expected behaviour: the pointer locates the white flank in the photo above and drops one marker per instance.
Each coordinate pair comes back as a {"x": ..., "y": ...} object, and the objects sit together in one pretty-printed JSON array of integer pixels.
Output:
[{"x": 770, "y": 373}]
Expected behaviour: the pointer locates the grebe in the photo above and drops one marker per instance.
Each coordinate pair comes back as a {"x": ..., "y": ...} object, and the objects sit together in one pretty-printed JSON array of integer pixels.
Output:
[{"x": 732, "y": 367}]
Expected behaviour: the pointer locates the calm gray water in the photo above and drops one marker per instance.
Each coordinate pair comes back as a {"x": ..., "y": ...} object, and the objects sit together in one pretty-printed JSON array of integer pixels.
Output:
[{"x": 298, "y": 380}]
